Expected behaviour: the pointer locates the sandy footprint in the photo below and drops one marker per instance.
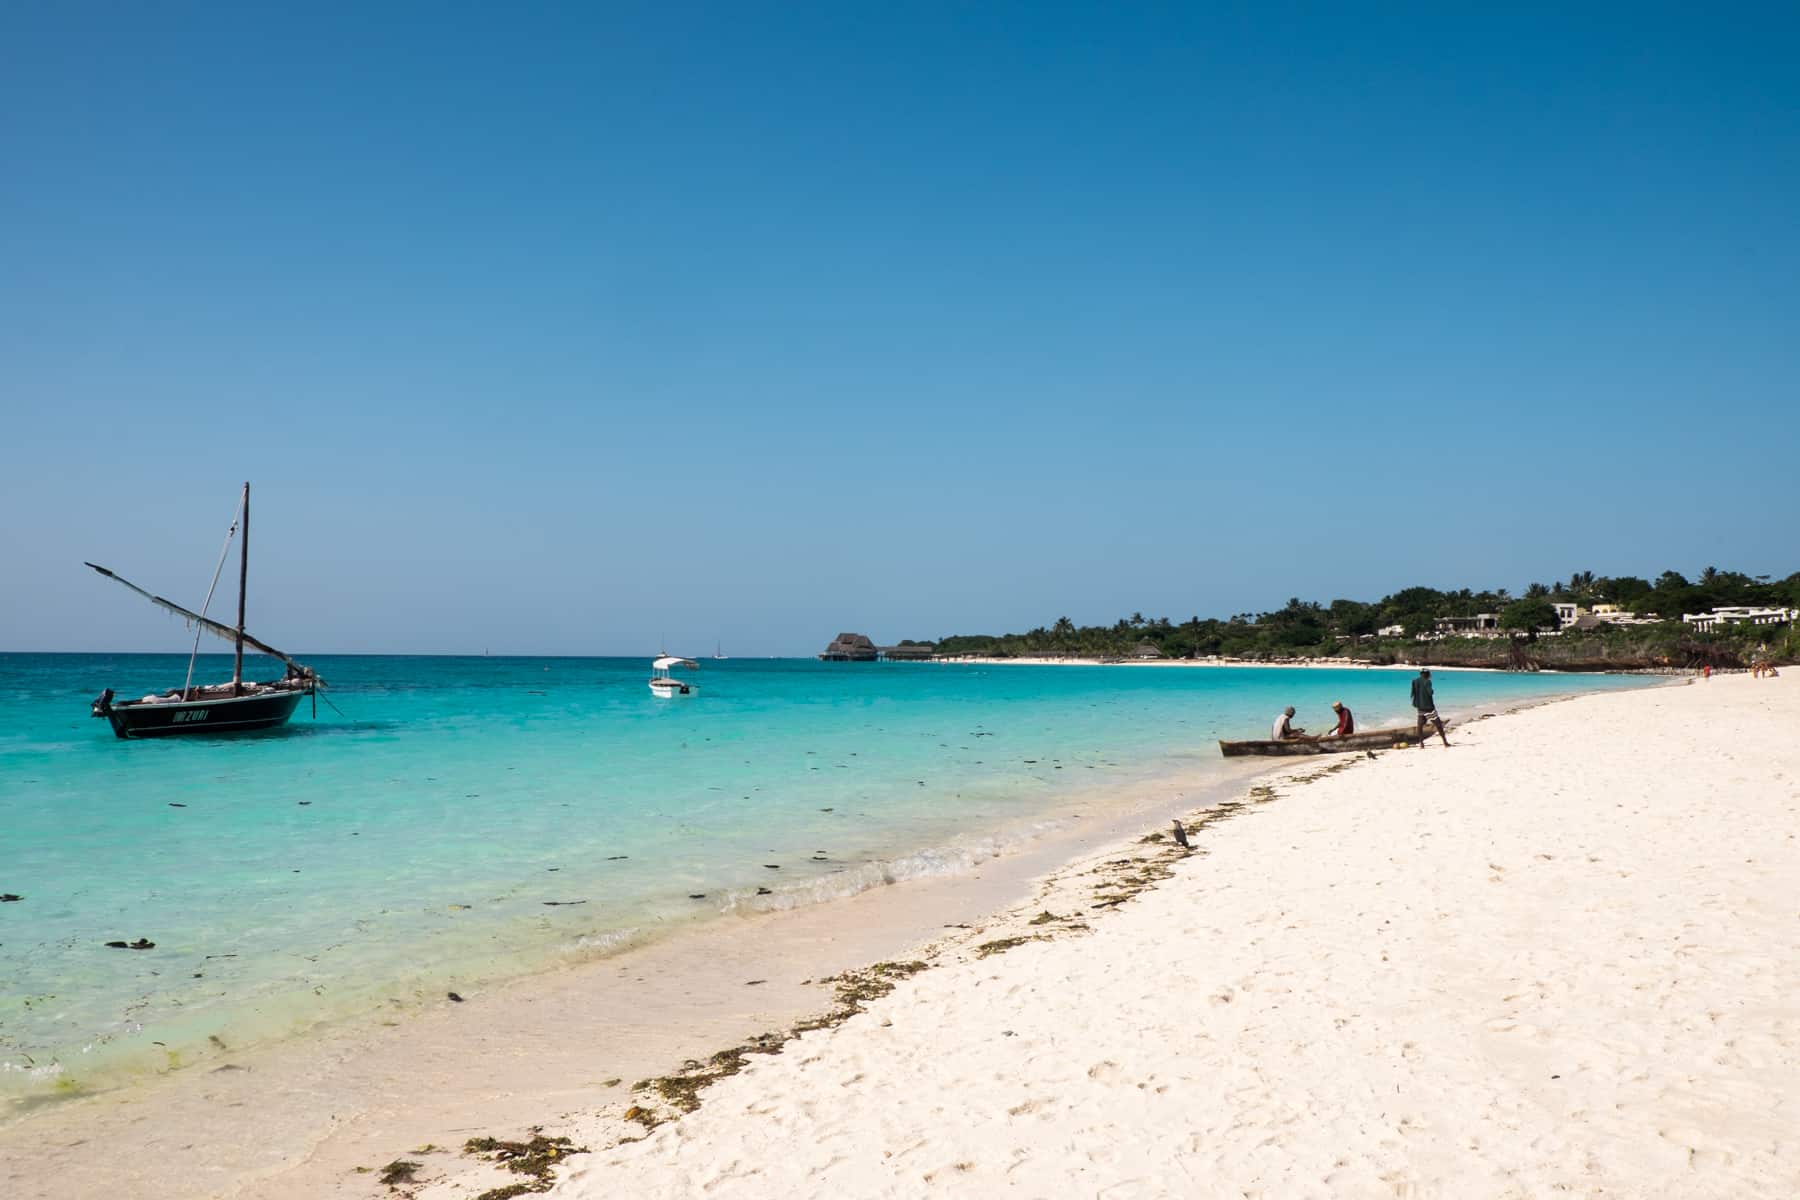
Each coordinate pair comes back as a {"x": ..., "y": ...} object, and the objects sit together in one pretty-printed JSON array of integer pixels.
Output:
[{"x": 1105, "y": 1071}]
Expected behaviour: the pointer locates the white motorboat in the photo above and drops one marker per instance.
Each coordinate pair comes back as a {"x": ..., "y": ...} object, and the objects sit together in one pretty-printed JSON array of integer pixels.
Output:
[{"x": 664, "y": 683}]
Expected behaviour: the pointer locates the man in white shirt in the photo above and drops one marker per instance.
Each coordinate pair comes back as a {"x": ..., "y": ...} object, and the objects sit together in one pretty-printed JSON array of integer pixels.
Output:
[{"x": 1284, "y": 730}]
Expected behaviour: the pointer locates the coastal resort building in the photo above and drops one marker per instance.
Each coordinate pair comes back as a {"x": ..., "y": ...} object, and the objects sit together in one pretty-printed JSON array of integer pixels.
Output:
[
  {"x": 1566, "y": 613},
  {"x": 1147, "y": 649},
  {"x": 1391, "y": 631},
  {"x": 1740, "y": 615},
  {"x": 857, "y": 647},
  {"x": 1612, "y": 614},
  {"x": 909, "y": 652},
  {"x": 1481, "y": 625},
  {"x": 851, "y": 647}
]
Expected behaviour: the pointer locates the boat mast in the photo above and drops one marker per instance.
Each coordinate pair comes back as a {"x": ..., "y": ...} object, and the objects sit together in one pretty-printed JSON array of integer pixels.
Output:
[
  {"x": 237, "y": 667},
  {"x": 198, "y": 619}
]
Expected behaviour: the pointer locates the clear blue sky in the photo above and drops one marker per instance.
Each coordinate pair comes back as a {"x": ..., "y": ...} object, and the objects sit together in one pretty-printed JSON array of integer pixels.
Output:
[{"x": 556, "y": 330}]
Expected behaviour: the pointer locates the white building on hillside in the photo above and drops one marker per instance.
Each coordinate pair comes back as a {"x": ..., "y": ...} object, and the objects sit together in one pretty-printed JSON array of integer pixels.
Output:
[
  {"x": 1612, "y": 614},
  {"x": 1482, "y": 625},
  {"x": 1740, "y": 615}
]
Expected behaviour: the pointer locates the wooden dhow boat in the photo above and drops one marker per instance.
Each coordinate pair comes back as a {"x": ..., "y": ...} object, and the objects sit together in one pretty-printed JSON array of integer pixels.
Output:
[
  {"x": 1375, "y": 739},
  {"x": 239, "y": 706}
]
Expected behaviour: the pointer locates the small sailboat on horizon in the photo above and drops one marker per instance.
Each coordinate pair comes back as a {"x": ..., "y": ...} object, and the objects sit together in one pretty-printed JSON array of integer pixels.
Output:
[{"x": 239, "y": 706}]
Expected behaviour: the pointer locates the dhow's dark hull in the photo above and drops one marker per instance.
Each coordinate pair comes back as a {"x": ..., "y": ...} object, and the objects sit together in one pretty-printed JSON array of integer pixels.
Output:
[
  {"x": 228, "y": 714},
  {"x": 1375, "y": 739}
]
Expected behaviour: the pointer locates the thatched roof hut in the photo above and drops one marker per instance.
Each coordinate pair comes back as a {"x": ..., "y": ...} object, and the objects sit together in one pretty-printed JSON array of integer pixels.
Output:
[
  {"x": 1147, "y": 649},
  {"x": 909, "y": 652},
  {"x": 851, "y": 647}
]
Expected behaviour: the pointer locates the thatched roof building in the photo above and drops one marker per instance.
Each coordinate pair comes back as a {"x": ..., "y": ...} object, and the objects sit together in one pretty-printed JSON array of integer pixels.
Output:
[
  {"x": 1147, "y": 649},
  {"x": 851, "y": 647},
  {"x": 909, "y": 652}
]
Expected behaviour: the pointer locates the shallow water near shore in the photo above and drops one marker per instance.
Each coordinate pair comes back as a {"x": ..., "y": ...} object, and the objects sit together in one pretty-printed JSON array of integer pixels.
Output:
[{"x": 466, "y": 819}]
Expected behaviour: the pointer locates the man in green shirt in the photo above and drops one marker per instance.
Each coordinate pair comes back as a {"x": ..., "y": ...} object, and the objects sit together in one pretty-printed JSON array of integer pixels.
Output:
[{"x": 1426, "y": 707}]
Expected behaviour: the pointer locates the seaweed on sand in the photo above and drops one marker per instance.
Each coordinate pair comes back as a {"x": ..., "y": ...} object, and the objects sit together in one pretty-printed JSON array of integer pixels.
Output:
[
  {"x": 681, "y": 1090},
  {"x": 1002, "y": 945},
  {"x": 872, "y": 983},
  {"x": 537, "y": 1158},
  {"x": 509, "y": 1191},
  {"x": 1123, "y": 878},
  {"x": 665, "y": 1097},
  {"x": 400, "y": 1171},
  {"x": 855, "y": 989}
]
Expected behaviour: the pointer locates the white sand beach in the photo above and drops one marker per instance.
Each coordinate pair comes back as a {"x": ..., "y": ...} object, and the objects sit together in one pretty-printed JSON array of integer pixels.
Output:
[{"x": 1561, "y": 958}]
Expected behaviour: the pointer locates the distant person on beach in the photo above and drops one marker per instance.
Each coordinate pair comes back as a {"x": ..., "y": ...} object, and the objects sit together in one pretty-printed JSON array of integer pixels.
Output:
[
  {"x": 1283, "y": 729},
  {"x": 1346, "y": 723},
  {"x": 1426, "y": 706},
  {"x": 1706, "y": 671}
]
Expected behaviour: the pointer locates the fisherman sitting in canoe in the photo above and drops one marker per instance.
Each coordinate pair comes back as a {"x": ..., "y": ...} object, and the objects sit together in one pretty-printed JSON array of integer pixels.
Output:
[
  {"x": 1346, "y": 723},
  {"x": 1283, "y": 730}
]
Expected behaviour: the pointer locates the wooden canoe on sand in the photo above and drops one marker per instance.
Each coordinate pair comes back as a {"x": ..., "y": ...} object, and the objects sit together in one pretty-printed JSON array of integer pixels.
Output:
[{"x": 1377, "y": 739}]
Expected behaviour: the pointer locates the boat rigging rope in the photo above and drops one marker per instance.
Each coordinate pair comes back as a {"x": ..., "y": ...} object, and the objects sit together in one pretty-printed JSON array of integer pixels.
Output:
[{"x": 223, "y": 551}]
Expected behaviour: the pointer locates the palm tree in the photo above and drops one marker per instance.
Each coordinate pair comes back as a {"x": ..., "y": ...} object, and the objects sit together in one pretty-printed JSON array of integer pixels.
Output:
[
  {"x": 1709, "y": 576},
  {"x": 1064, "y": 627}
]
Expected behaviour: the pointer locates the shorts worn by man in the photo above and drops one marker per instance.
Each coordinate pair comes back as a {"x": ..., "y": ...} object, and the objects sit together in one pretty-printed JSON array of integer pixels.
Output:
[{"x": 1426, "y": 706}]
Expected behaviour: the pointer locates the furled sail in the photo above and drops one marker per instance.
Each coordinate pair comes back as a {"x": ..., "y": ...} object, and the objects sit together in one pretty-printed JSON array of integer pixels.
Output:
[{"x": 218, "y": 629}]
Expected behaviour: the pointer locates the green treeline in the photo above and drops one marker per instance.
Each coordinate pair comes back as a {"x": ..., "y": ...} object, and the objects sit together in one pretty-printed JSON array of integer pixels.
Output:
[{"x": 1350, "y": 627}]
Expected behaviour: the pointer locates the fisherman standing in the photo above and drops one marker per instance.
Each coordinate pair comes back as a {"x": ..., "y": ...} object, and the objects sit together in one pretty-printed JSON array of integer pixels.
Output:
[{"x": 1426, "y": 706}]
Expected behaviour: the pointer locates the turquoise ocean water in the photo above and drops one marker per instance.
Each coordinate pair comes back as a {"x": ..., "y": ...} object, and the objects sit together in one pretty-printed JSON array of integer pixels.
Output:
[{"x": 417, "y": 839}]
